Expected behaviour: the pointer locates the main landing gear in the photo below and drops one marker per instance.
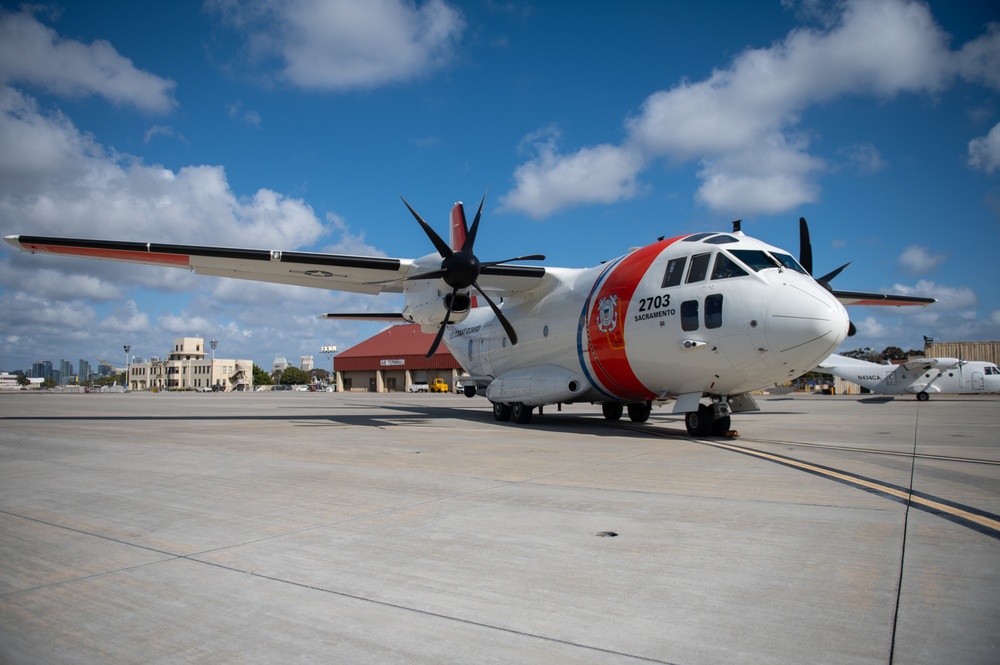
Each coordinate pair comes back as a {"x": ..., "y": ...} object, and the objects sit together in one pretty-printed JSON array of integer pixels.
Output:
[
  {"x": 638, "y": 412},
  {"x": 519, "y": 412},
  {"x": 704, "y": 422}
]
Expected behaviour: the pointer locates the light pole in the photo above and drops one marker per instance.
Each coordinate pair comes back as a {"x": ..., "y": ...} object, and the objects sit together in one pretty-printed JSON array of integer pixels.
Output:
[
  {"x": 211, "y": 377},
  {"x": 128, "y": 347},
  {"x": 329, "y": 351}
]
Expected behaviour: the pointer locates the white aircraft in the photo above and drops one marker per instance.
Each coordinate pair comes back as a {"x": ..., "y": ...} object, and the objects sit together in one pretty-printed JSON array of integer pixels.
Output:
[
  {"x": 703, "y": 318},
  {"x": 919, "y": 377}
]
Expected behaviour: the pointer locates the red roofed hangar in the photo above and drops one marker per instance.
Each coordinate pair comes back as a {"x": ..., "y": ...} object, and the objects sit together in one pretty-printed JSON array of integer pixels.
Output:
[{"x": 393, "y": 360}]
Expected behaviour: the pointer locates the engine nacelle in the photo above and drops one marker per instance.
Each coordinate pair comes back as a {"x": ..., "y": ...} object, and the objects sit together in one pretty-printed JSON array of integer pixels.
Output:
[
  {"x": 546, "y": 384},
  {"x": 428, "y": 307}
]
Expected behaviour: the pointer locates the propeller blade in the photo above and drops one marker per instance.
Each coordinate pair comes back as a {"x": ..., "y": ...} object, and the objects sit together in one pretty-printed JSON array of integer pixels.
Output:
[
  {"x": 442, "y": 247},
  {"x": 805, "y": 246},
  {"x": 444, "y": 324},
  {"x": 503, "y": 319},
  {"x": 470, "y": 237},
  {"x": 825, "y": 279},
  {"x": 530, "y": 257}
]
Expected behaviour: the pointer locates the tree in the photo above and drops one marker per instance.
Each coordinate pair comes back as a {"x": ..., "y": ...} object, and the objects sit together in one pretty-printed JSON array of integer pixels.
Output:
[
  {"x": 293, "y": 376},
  {"x": 260, "y": 377},
  {"x": 893, "y": 353},
  {"x": 23, "y": 381}
]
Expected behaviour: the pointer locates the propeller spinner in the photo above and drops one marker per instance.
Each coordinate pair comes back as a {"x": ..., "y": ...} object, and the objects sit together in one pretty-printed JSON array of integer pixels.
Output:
[{"x": 461, "y": 269}]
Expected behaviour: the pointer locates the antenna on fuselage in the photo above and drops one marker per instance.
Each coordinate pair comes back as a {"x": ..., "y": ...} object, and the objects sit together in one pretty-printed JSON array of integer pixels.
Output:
[{"x": 736, "y": 225}]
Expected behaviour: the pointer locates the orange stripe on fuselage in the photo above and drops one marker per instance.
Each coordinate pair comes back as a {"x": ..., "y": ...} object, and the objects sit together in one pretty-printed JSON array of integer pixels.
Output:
[
  {"x": 112, "y": 254},
  {"x": 606, "y": 343}
]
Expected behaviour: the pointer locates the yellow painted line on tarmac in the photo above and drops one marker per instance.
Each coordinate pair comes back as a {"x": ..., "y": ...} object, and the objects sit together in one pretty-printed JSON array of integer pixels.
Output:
[{"x": 990, "y": 523}]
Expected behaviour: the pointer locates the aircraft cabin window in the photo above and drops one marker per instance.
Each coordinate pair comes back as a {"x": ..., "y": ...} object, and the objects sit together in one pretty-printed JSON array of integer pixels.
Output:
[
  {"x": 755, "y": 259},
  {"x": 725, "y": 268},
  {"x": 675, "y": 268},
  {"x": 689, "y": 315},
  {"x": 699, "y": 267},
  {"x": 713, "y": 311},
  {"x": 789, "y": 262}
]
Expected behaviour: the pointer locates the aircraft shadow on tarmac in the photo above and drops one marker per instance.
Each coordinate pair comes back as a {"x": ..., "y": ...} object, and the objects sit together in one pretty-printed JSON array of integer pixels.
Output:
[{"x": 408, "y": 415}]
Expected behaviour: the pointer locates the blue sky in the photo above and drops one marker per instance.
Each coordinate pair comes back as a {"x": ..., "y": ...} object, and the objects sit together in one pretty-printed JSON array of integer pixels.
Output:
[{"x": 298, "y": 124}]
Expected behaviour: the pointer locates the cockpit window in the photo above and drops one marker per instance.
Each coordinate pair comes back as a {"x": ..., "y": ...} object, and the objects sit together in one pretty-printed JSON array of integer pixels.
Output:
[
  {"x": 789, "y": 262},
  {"x": 699, "y": 236},
  {"x": 675, "y": 268},
  {"x": 721, "y": 239},
  {"x": 699, "y": 267},
  {"x": 755, "y": 259},
  {"x": 725, "y": 268},
  {"x": 993, "y": 370}
]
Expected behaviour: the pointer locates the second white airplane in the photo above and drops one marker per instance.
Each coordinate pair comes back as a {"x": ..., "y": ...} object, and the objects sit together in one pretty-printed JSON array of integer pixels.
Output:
[
  {"x": 920, "y": 377},
  {"x": 702, "y": 318}
]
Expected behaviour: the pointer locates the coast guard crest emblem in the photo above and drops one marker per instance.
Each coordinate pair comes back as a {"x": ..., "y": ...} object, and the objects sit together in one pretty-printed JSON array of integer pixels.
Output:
[{"x": 607, "y": 314}]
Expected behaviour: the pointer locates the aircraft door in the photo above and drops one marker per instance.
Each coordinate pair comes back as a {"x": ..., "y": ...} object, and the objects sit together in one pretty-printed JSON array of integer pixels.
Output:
[
  {"x": 978, "y": 381},
  {"x": 484, "y": 349},
  {"x": 890, "y": 380}
]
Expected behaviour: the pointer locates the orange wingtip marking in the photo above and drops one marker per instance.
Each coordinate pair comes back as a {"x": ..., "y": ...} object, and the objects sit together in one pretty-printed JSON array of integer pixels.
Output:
[{"x": 113, "y": 254}]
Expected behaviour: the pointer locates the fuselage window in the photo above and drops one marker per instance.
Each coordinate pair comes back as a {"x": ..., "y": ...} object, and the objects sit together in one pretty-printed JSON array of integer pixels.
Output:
[
  {"x": 713, "y": 311},
  {"x": 675, "y": 268},
  {"x": 789, "y": 262},
  {"x": 699, "y": 267},
  {"x": 726, "y": 268},
  {"x": 689, "y": 315},
  {"x": 755, "y": 259}
]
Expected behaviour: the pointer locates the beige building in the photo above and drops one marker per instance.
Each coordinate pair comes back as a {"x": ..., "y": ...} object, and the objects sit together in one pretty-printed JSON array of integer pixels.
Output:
[{"x": 188, "y": 368}]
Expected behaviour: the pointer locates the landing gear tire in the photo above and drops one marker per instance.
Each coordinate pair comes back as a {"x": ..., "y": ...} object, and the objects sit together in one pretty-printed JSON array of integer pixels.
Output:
[
  {"x": 501, "y": 412},
  {"x": 720, "y": 426},
  {"x": 923, "y": 396},
  {"x": 639, "y": 412},
  {"x": 699, "y": 423},
  {"x": 470, "y": 391},
  {"x": 612, "y": 410},
  {"x": 520, "y": 413}
]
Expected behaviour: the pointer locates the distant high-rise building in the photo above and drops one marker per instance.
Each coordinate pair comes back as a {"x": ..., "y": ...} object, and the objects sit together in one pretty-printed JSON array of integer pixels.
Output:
[
  {"x": 84, "y": 370},
  {"x": 306, "y": 363},
  {"x": 65, "y": 370}
]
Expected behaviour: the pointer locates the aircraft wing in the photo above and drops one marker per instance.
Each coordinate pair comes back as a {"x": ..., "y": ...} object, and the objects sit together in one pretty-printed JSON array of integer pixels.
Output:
[
  {"x": 880, "y": 299},
  {"x": 336, "y": 272}
]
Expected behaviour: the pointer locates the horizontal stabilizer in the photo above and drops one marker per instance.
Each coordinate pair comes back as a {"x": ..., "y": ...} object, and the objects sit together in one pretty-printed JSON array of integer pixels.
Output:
[
  {"x": 364, "y": 316},
  {"x": 880, "y": 299}
]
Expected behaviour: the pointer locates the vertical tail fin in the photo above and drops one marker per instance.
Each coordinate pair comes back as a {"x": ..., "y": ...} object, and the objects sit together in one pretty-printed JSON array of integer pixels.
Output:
[{"x": 459, "y": 229}]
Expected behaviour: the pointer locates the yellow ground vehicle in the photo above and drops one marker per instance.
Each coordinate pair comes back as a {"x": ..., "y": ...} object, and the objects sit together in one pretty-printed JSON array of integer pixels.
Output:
[{"x": 438, "y": 386}]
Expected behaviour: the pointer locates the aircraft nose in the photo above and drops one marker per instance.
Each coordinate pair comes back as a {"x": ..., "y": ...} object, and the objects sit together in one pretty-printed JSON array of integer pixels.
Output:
[{"x": 806, "y": 325}]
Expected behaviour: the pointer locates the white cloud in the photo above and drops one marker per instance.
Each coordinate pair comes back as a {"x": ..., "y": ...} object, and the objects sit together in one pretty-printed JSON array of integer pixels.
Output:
[
  {"x": 31, "y": 52},
  {"x": 550, "y": 182},
  {"x": 342, "y": 44},
  {"x": 949, "y": 297},
  {"x": 918, "y": 260},
  {"x": 741, "y": 123},
  {"x": 984, "y": 152}
]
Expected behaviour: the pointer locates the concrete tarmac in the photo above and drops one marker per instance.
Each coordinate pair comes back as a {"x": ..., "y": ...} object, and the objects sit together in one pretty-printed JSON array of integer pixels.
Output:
[{"x": 393, "y": 528}]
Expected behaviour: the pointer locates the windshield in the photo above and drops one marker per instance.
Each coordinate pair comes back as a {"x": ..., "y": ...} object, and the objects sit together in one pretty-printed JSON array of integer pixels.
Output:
[{"x": 789, "y": 262}]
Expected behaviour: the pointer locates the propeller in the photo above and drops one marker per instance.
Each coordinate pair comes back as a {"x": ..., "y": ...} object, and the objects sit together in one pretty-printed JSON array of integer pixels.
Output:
[
  {"x": 461, "y": 269},
  {"x": 806, "y": 261}
]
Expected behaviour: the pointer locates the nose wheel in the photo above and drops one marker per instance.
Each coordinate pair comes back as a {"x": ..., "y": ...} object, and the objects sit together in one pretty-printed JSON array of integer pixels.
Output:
[{"x": 704, "y": 423}]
